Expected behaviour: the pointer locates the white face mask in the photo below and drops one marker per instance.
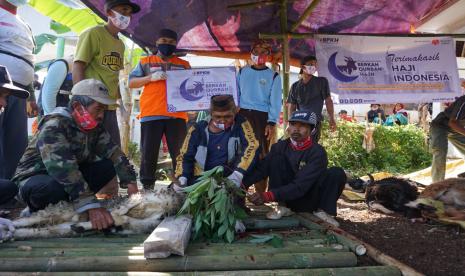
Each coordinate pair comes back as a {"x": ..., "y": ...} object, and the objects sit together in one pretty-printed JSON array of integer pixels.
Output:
[
  {"x": 310, "y": 69},
  {"x": 220, "y": 126},
  {"x": 120, "y": 21},
  {"x": 18, "y": 3}
]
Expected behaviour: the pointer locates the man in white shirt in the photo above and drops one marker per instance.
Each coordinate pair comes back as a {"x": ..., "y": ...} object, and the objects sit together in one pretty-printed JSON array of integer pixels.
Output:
[{"x": 16, "y": 53}]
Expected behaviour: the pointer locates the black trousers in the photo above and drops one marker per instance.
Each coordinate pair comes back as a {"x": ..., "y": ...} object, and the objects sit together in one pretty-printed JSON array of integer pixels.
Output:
[
  {"x": 13, "y": 136},
  {"x": 323, "y": 194},
  {"x": 41, "y": 190},
  {"x": 8, "y": 191},
  {"x": 151, "y": 134}
]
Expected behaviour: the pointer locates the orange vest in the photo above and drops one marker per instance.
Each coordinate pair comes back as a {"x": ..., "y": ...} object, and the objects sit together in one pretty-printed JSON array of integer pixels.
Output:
[{"x": 153, "y": 97}]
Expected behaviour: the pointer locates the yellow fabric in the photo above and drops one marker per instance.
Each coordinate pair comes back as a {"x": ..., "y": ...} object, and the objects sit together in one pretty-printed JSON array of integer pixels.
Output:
[{"x": 249, "y": 152}]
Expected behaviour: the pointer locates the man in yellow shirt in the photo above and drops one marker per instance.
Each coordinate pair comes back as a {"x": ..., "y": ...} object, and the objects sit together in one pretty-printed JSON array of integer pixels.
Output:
[{"x": 100, "y": 54}]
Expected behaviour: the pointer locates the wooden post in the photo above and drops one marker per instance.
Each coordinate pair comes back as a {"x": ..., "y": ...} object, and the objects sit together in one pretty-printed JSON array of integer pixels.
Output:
[
  {"x": 285, "y": 49},
  {"x": 126, "y": 97}
]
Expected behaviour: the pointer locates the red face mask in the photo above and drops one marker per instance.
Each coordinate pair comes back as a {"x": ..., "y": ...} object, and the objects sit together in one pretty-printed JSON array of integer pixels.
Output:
[
  {"x": 260, "y": 59},
  {"x": 84, "y": 119}
]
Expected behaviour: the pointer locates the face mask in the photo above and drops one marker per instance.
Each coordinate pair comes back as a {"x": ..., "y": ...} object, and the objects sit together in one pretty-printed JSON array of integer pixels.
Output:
[
  {"x": 166, "y": 49},
  {"x": 259, "y": 60},
  {"x": 18, "y": 3},
  {"x": 221, "y": 126},
  {"x": 84, "y": 119},
  {"x": 310, "y": 69},
  {"x": 120, "y": 21}
]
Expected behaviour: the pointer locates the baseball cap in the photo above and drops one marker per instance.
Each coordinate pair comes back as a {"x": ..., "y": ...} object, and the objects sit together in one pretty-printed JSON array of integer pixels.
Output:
[
  {"x": 306, "y": 117},
  {"x": 93, "y": 89},
  {"x": 109, "y": 4},
  {"x": 168, "y": 33},
  {"x": 7, "y": 83}
]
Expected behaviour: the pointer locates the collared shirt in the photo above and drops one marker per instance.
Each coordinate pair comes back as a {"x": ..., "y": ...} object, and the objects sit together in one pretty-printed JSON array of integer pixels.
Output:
[{"x": 310, "y": 96}]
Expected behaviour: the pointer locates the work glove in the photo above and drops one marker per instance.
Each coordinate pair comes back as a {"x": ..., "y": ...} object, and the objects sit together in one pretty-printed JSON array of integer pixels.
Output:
[
  {"x": 159, "y": 75},
  {"x": 179, "y": 187},
  {"x": 236, "y": 178},
  {"x": 7, "y": 229}
]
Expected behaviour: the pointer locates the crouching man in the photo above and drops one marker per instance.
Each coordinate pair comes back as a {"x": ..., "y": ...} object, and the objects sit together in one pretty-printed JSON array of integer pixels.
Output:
[
  {"x": 298, "y": 173},
  {"x": 72, "y": 157},
  {"x": 224, "y": 139}
]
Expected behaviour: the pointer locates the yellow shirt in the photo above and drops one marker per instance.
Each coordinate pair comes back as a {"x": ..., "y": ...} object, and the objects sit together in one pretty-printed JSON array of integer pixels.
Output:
[{"x": 104, "y": 54}]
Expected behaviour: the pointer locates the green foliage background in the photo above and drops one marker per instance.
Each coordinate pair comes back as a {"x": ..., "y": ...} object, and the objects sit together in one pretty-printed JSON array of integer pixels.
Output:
[{"x": 398, "y": 149}]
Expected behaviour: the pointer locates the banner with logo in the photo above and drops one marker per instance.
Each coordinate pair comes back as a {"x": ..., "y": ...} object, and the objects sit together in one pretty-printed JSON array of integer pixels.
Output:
[
  {"x": 191, "y": 90},
  {"x": 365, "y": 69}
]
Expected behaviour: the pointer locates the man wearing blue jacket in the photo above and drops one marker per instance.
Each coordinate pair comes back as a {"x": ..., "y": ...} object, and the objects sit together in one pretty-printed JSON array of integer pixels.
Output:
[
  {"x": 260, "y": 97},
  {"x": 298, "y": 173},
  {"x": 224, "y": 139}
]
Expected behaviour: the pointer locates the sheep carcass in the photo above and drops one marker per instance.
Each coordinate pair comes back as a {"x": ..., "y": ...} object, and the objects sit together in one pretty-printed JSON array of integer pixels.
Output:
[
  {"x": 450, "y": 192},
  {"x": 140, "y": 213},
  {"x": 390, "y": 194}
]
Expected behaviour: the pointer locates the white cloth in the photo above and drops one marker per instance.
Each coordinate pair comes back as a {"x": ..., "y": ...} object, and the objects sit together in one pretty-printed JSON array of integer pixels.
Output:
[
  {"x": 236, "y": 177},
  {"x": 16, "y": 38}
]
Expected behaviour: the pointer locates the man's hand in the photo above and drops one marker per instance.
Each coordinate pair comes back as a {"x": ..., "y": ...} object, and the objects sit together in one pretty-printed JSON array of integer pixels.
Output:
[
  {"x": 132, "y": 189},
  {"x": 270, "y": 132},
  {"x": 159, "y": 75},
  {"x": 256, "y": 198},
  {"x": 332, "y": 124},
  {"x": 100, "y": 218},
  {"x": 32, "y": 109}
]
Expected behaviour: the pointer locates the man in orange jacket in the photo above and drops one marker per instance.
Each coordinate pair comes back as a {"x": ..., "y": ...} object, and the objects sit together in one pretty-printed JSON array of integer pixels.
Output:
[{"x": 155, "y": 119}]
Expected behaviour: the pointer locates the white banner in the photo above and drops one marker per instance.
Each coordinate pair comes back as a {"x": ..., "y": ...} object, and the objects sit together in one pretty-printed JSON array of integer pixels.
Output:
[
  {"x": 365, "y": 69},
  {"x": 191, "y": 90}
]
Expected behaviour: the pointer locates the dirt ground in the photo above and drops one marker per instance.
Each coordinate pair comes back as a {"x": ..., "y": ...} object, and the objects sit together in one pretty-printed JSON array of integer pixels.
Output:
[{"x": 430, "y": 248}]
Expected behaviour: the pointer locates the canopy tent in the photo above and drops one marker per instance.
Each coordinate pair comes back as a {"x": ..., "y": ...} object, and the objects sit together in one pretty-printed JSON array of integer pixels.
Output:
[{"x": 233, "y": 25}]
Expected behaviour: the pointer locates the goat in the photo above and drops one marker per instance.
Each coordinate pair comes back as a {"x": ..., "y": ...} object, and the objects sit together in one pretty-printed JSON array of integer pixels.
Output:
[
  {"x": 140, "y": 213},
  {"x": 390, "y": 194},
  {"x": 450, "y": 192}
]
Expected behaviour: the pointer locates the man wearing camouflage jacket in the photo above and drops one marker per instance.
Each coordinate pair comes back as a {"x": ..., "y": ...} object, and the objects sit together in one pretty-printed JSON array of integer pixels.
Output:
[{"x": 72, "y": 157}]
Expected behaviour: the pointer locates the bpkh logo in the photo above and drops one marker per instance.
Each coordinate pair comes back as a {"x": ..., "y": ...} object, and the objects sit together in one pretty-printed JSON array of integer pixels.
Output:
[
  {"x": 193, "y": 92},
  {"x": 343, "y": 72},
  {"x": 112, "y": 61},
  {"x": 329, "y": 40}
]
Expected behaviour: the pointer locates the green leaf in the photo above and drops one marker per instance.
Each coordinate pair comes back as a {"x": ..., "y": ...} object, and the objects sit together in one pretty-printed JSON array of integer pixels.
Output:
[
  {"x": 231, "y": 219},
  {"x": 222, "y": 229},
  {"x": 230, "y": 236},
  {"x": 277, "y": 242},
  {"x": 240, "y": 213}
]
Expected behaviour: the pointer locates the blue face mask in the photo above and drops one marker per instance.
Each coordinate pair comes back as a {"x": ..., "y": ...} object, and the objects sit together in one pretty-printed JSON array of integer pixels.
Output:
[{"x": 166, "y": 49}]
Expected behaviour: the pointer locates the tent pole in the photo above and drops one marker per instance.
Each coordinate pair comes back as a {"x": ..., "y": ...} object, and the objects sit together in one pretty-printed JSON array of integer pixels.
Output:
[{"x": 285, "y": 49}]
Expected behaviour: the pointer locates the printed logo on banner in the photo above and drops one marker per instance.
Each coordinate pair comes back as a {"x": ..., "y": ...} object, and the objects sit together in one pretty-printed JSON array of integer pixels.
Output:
[
  {"x": 343, "y": 72},
  {"x": 194, "y": 91}
]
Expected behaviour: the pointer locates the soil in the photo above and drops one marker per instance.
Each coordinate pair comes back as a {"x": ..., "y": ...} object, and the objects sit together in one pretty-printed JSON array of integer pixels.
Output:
[{"x": 428, "y": 247}]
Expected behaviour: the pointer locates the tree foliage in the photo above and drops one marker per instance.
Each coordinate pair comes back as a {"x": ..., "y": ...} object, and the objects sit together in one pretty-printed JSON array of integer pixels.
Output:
[{"x": 398, "y": 149}]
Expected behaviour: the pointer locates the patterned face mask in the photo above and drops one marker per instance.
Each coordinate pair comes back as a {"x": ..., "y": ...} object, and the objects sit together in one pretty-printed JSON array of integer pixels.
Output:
[
  {"x": 120, "y": 21},
  {"x": 259, "y": 60}
]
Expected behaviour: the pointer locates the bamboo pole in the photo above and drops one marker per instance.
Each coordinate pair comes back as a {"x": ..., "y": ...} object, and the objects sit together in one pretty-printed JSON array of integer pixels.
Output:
[
  {"x": 342, "y": 271},
  {"x": 311, "y": 35},
  {"x": 374, "y": 253},
  {"x": 257, "y": 4},
  {"x": 258, "y": 223},
  {"x": 217, "y": 249},
  {"x": 305, "y": 14},
  {"x": 186, "y": 263},
  {"x": 355, "y": 247},
  {"x": 286, "y": 56}
]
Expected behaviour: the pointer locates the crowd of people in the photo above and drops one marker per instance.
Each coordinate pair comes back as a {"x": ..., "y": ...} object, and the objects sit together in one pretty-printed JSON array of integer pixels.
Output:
[{"x": 76, "y": 153}]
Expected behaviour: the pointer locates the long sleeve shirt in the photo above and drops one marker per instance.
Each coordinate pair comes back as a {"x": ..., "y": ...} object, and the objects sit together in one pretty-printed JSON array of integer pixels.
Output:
[{"x": 261, "y": 90}]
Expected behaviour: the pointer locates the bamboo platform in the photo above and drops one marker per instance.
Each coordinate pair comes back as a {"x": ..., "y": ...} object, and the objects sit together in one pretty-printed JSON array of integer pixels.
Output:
[{"x": 308, "y": 249}]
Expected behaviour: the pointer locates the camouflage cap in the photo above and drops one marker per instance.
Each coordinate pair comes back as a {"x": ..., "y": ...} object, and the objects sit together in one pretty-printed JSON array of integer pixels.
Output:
[{"x": 93, "y": 89}]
